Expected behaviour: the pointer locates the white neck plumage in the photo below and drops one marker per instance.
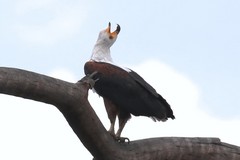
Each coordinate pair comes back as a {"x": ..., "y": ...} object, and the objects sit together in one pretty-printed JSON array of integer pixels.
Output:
[{"x": 101, "y": 53}]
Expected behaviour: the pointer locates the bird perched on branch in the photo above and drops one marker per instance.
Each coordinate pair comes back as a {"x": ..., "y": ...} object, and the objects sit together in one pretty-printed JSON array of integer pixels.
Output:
[{"x": 124, "y": 92}]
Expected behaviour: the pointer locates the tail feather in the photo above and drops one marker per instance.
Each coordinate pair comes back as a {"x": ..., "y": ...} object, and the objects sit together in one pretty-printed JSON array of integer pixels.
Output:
[{"x": 155, "y": 119}]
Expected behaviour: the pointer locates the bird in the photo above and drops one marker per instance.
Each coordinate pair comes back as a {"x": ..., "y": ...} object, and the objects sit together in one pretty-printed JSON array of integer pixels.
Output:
[{"x": 124, "y": 92}]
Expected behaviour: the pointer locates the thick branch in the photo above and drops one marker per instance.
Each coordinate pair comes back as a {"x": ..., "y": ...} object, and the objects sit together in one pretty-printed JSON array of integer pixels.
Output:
[{"x": 71, "y": 100}]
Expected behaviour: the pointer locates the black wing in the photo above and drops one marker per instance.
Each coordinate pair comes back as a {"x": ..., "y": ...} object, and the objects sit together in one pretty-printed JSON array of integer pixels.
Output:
[
  {"x": 150, "y": 89},
  {"x": 143, "y": 83}
]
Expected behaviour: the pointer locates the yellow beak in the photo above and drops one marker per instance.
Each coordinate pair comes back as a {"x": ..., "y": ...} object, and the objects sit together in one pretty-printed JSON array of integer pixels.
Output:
[{"x": 115, "y": 33}]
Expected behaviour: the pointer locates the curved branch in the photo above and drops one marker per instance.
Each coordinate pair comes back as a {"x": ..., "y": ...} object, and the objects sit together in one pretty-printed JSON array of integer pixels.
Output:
[{"x": 71, "y": 100}]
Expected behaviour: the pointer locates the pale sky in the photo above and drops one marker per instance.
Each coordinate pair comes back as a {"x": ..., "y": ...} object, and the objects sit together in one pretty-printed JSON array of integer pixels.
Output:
[{"x": 188, "y": 50}]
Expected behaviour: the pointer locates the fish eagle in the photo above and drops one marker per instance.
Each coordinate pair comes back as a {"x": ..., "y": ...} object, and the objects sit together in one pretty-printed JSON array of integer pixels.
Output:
[{"x": 124, "y": 92}]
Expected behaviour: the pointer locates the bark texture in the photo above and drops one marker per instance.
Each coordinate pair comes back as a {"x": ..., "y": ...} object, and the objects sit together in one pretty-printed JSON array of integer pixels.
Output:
[{"x": 71, "y": 100}]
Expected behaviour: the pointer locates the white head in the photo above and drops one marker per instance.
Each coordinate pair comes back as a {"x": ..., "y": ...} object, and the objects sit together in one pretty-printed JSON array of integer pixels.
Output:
[{"x": 101, "y": 50}]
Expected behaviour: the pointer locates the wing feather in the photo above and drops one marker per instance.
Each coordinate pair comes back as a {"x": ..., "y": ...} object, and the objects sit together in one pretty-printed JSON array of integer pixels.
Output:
[{"x": 151, "y": 90}]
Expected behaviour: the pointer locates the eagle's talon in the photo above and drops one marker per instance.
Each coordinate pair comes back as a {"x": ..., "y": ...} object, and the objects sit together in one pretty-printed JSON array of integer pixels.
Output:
[
  {"x": 89, "y": 79},
  {"x": 92, "y": 82}
]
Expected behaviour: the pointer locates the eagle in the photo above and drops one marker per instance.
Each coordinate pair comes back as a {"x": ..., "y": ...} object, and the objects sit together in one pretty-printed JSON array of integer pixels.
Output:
[{"x": 124, "y": 92}]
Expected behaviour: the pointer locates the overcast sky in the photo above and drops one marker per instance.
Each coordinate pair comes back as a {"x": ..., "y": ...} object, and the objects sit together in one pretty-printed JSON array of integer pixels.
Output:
[{"x": 188, "y": 50}]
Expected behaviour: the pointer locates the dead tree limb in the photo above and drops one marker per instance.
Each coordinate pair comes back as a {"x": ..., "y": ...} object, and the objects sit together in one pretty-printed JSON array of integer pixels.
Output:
[{"x": 71, "y": 100}]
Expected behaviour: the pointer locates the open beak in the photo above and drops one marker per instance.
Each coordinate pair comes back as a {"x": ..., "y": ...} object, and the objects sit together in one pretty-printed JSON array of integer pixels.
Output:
[{"x": 115, "y": 33}]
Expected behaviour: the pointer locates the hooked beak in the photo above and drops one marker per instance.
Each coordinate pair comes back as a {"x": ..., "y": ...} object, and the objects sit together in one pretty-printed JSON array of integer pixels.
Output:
[{"x": 115, "y": 33}]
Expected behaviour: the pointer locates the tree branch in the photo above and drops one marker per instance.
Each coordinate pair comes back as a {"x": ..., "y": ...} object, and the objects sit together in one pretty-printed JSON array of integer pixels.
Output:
[{"x": 71, "y": 100}]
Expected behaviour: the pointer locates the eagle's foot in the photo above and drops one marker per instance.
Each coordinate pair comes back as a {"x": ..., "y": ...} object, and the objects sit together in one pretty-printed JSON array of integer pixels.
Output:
[
  {"x": 89, "y": 79},
  {"x": 122, "y": 139}
]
